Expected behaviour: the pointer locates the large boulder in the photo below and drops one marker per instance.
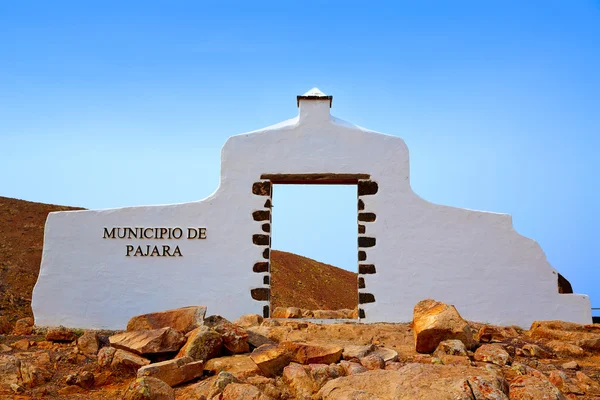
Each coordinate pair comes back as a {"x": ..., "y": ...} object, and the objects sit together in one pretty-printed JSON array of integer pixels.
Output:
[
  {"x": 173, "y": 372},
  {"x": 155, "y": 341},
  {"x": 418, "y": 382},
  {"x": 202, "y": 344},
  {"x": 183, "y": 319},
  {"x": 148, "y": 388},
  {"x": 434, "y": 322}
]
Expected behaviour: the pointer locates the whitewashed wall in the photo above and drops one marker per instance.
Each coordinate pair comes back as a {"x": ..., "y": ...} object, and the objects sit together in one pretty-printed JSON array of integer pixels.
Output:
[{"x": 474, "y": 260}]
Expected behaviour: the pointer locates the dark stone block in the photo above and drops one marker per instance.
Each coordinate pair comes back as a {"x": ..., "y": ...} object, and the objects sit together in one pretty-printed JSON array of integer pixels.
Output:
[
  {"x": 365, "y": 241},
  {"x": 366, "y": 188},
  {"x": 366, "y": 269},
  {"x": 266, "y": 227},
  {"x": 261, "y": 240},
  {"x": 262, "y": 215},
  {"x": 364, "y": 298},
  {"x": 367, "y": 217},
  {"x": 362, "y": 255},
  {"x": 361, "y": 283},
  {"x": 361, "y": 229},
  {"x": 361, "y": 313},
  {"x": 260, "y": 294},
  {"x": 361, "y": 205},
  {"x": 266, "y": 279},
  {"x": 268, "y": 203},
  {"x": 266, "y": 312},
  {"x": 261, "y": 267},
  {"x": 262, "y": 188},
  {"x": 266, "y": 253},
  {"x": 564, "y": 286}
]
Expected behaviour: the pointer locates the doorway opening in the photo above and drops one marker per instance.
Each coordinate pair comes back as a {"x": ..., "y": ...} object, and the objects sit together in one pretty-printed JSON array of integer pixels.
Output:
[
  {"x": 313, "y": 264},
  {"x": 313, "y": 231}
]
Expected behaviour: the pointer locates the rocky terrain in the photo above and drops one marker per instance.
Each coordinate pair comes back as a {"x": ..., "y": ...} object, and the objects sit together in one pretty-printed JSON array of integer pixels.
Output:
[{"x": 182, "y": 354}]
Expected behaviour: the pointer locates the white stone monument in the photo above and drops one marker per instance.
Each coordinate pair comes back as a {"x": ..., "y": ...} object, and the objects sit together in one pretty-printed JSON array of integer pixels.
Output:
[{"x": 100, "y": 267}]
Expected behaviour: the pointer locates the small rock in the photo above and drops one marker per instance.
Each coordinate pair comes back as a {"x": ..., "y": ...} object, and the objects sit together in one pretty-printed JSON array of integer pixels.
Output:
[
  {"x": 489, "y": 333},
  {"x": 71, "y": 379},
  {"x": 235, "y": 338},
  {"x": 60, "y": 334},
  {"x": 34, "y": 375},
  {"x": 249, "y": 320},
  {"x": 352, "y": 368},
  {"x": 85, "y": 379},
  {"x": 259, "y": 335},
  {"x": 10, "y": 371},
  {"x": 128, "y": 361},
  {"x": 241, "y": 366},
  {"x": 148, "y": 388},
  {"x": 173, "y": 372},
  {"x": 105, "y": 356},
  {"x": 5, "y": 325},
  {"x": 183, "y": 319},
  {"x": 571, "y": 365},
  {"x": 372, "y": 361},
  {"x": 492, "y": 353},
  {"x": 531, "y": 388},
  {"x": 450, "y": 347},
  {"x": 564, "y": 349},
  {"x": 352, "y": 352},
  {"x": 300, "y": 382},
  {"x": 220, "y": 383},
  {"x": 447, "y": 359},
  {"x": 243, "y": 391},
  {"x": 286, "y": 312},
  {"x": 17, "y": 388},
  {"x": 89, "y": 343},
  {"x": 23, "y": 327},
  {"x": 4, "y": 348},
  {"x": 202, "y": 344},
  {"x": 533, "y": 350},
  {"x": 22, "y": 344},
  {"x": 271, "y": 359},
  {"x": 306, "y": 353},
  {"x": 434, "y": 322},
  {"x": 322, "y": 373},
  {"x": 153, "y": 341}
]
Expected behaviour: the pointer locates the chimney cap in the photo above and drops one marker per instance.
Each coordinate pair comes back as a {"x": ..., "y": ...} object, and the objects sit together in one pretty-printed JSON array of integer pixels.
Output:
[{"x": 314, "y": 94}]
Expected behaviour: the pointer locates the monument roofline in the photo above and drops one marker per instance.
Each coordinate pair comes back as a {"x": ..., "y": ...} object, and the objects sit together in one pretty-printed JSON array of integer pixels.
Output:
[{"x": 314, "y": 94}]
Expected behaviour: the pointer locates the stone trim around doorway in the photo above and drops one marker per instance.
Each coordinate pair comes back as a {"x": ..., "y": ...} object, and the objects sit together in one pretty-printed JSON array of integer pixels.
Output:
[{"x": 365, "y": 187}]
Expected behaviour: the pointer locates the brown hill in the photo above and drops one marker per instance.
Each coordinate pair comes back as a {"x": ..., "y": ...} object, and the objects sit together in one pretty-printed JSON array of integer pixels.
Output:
[
  {"x": 298, "y": 281},
  {"x": 21, "y": 241}
]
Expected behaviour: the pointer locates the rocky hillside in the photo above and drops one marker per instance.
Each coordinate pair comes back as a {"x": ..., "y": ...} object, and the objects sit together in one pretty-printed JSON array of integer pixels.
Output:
[
  {"x": 298, "y": 281},
  {"x": 21, "y": 241}
]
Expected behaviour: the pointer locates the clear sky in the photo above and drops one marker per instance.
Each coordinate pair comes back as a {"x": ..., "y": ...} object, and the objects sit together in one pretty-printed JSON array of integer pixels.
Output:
[{"x": 106, "y": 104}]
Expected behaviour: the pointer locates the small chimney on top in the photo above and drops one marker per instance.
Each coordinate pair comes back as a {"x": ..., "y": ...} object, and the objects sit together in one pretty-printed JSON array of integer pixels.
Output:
[{"x": 314, "y": 105}]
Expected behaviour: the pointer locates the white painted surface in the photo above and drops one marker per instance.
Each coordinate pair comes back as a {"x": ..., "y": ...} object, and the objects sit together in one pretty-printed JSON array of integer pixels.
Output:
[{"x": 474, "y": 260}]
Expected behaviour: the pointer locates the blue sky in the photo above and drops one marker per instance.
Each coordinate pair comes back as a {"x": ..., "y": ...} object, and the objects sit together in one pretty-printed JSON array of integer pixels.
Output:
[{"x": 108, "y": 104}]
